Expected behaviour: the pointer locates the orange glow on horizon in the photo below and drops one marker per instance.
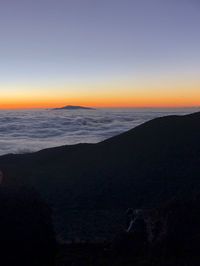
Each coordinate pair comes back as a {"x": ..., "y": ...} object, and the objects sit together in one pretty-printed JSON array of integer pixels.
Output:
[
  {"x": 159, "y": 102},
  {"x": 160, "y": 93}
]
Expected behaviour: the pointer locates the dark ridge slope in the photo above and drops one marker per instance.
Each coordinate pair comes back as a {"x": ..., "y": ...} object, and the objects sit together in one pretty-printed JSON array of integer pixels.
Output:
[
  {"x": 144, "y": 167},
  {"x": 156, "y": 151}
]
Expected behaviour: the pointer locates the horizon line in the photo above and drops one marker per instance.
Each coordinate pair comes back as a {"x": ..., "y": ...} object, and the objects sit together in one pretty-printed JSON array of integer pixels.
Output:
[{"x": 106, "y": 107}]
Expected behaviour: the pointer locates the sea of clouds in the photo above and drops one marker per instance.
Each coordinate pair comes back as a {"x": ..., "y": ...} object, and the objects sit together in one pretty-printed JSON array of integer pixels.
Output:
[{"x": 32, "y": 130}]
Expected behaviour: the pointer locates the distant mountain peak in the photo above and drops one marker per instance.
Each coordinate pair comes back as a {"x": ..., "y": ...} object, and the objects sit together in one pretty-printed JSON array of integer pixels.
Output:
[{"x": 74, "y": 107}]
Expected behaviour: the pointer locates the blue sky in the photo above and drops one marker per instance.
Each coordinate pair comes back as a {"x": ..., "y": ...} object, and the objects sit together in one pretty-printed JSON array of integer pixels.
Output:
[{"x": 46, "y": 43}]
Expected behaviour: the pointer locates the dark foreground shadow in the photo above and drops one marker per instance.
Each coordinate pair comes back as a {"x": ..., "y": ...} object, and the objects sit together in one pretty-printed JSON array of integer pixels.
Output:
[
  {"x": 26, "y": 232},
  {"x": 166, "y": 236}
]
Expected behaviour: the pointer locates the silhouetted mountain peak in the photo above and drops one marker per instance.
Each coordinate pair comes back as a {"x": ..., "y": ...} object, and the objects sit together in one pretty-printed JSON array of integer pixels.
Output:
[{"x": 74, "y": 107}]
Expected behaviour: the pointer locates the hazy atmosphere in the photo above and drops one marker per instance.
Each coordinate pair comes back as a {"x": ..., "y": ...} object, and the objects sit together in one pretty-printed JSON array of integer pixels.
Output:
[{"x": 104, "y": 53}]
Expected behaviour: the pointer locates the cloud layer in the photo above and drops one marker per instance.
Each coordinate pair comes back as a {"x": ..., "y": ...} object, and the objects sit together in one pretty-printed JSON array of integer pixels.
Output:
[{"x": 28, "y": 131}]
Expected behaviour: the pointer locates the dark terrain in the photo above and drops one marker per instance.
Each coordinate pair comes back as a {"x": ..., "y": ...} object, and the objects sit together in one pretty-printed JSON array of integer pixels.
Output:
[
  {"x": 155, "y": 167},
  {"x": 74, "y": 107},
  {"x": 26, "y": 230}
]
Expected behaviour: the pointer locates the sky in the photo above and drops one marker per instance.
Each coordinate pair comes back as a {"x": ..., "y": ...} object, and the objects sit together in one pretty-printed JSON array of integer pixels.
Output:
[{"x": 102, "y": 53}]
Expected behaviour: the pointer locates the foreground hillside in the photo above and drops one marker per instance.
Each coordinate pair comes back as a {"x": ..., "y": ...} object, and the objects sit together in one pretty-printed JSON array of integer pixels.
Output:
[{"x": 91, "y": 185}]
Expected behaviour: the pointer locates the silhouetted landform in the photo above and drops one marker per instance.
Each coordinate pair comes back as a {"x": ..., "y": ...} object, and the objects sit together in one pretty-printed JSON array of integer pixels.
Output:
[
  {"x": 27, "y": 235},
  {"x": 91, "y": 185},
  {"x": 74, "y": 107}
]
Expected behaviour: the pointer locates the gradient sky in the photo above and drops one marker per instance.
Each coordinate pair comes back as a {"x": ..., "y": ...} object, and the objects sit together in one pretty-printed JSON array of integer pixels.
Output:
[{"x": 99, "y": 53}]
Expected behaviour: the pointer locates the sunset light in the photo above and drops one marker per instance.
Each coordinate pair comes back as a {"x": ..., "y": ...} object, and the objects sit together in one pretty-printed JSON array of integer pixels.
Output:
[
  {"x": 160, "y": 93},
  {"x": 99, "y": 54}
]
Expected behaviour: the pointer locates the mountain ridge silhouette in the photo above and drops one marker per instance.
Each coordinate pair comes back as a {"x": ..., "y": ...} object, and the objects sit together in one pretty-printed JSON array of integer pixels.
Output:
[
  {"x": 144, "y": 167},
  {"x": 74, "y": 107}
]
